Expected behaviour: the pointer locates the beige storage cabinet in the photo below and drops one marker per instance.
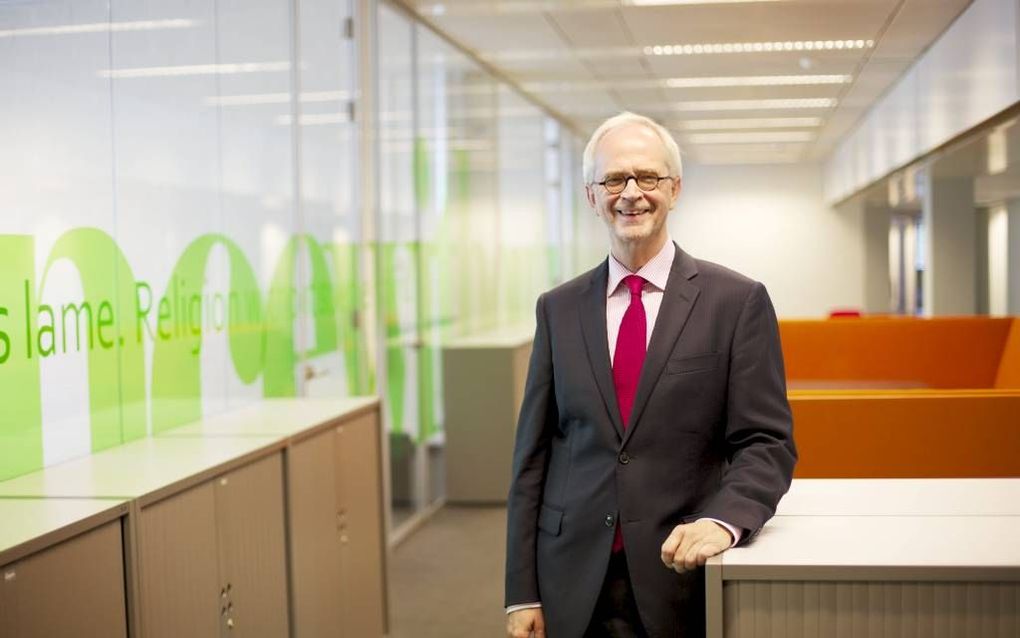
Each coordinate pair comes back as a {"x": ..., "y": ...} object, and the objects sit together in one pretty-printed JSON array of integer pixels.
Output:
[
  {"x": 334, "y": 507},
  {"x": 204, "y": 513},
  {"x": 263, "y": 522},
  {"x": 483, "y": 386},
  {"x": 212, "y": 559},
  {"x": 336, "y": 531},
  {"x": 62, "y": 569}
]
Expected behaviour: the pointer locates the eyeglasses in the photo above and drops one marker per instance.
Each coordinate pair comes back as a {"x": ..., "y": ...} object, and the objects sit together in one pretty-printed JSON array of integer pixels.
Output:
[{"x": 616, "y": 184}]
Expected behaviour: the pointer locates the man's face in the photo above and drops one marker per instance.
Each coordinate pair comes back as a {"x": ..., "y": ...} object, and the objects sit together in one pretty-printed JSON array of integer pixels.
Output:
[{"x": 633, "y": 216}]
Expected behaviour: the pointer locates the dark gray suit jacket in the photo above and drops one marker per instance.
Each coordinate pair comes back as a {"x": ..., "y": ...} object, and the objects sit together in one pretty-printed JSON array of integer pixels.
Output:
[{"x": 710, "y": 436}]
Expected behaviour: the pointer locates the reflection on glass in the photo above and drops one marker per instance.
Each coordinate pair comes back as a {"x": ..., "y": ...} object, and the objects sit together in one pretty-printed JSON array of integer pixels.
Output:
[{"x": 398, "y": 271}]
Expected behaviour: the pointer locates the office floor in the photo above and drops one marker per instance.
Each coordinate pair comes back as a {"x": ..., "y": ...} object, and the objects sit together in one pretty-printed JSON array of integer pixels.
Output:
[{"x": 446, "y": 580}]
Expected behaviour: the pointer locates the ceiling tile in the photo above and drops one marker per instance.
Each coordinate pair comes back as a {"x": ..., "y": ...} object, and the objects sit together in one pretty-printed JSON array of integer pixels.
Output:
[
  {"x": 566, "y": 41},
  {"x": 598, "y": 28},
  {"x": 632, "y": 67},
  {"x": 756, "y": 22},
  {"x": 514, "y": 31}
]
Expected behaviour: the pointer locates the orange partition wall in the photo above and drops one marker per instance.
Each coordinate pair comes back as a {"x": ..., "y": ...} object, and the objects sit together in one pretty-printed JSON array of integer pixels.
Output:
[
  {"x": 1009, "y": 365},
  {"x": 915, "y": 434},
  {"x": 961, "y": 352}
]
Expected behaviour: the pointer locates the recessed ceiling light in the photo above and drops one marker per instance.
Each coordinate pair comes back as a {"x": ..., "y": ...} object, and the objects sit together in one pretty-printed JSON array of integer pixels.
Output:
[
  {"x": 756, "y": 47},
  {"x": 661, "y": 3},
  {"x": 749, "y": 123},
  {"x": 100, "y": 27},
  {"x": 750, "y": 138},
  {"x": 752, "y": 105},
  {"x": 194, "y": 69},
  {"x": 685, "y": 83},
  {"x": 757, "y": 80},
  {"x": 275, "y": 98},
  {"x": 315, "y": 119}
]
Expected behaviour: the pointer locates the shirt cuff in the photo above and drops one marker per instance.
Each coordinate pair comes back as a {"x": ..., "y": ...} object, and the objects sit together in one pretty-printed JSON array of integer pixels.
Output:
[
  {"x": 512, "y": 608},
  {"x": 735, "y": 532}
]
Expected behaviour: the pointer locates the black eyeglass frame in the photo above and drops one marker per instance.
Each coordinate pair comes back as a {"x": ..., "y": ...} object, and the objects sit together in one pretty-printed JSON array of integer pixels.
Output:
[{"x": 637, "y": 180}]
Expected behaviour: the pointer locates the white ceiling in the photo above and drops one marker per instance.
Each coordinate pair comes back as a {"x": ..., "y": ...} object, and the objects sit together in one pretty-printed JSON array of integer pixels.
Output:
[{"x": 587, "y": 59}]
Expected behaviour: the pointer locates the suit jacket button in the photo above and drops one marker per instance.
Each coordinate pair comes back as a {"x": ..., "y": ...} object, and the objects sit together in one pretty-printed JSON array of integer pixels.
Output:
[
  {"x": 610, "y": 520},
  {"x": 624, "y": 458}
]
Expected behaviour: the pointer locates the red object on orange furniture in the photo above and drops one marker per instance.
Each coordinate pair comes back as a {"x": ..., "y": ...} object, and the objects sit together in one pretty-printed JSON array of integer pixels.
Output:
[{"x": 840, "y": 313}]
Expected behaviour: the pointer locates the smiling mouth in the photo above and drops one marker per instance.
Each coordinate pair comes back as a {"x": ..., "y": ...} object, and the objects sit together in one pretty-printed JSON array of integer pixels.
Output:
[{"x": 631, "y": 213}]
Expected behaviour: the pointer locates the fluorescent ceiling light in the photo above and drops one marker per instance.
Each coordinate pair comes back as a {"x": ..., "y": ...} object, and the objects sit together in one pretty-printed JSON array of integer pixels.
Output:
[
  {"x": 710, "y": 48},
  {"x": 662, "y": 3},
  {"x": 687, "y": 83},
  {"x": 497, "y": 7},
  {"x": 276, "y": 98},
  {"x": 100, "y": 27},
  {"x": 757, "y": 80},
  {"x": 752, "y": 105},
  {"x": 194, "y": 69},
  {"x": 750, "y": 138},
  {"x": 749, "y": 123},
  {"x": 743, "y": 157},
  {"x": 316, "y": 119}
]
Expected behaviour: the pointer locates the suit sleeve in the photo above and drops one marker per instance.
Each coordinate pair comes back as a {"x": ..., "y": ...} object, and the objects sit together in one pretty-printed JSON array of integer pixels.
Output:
[
  {"x": 535, "y": 424},
  {"x": 759, "y": 425}
]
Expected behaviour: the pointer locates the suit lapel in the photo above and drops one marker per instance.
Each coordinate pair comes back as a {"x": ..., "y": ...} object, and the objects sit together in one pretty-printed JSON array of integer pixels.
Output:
[
  {"x": 593, "y": 328},
  {"x": 677, "y": 301}
]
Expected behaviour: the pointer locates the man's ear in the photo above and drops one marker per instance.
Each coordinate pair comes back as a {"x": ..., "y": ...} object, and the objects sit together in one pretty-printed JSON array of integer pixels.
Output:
[
  {"x": 590, "y": 195},
  {"x": 677, "y": 187}
]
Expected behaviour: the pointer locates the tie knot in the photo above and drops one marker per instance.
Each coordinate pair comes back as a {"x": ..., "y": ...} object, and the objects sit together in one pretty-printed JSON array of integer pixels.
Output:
[{"x": 634, "y": 283}]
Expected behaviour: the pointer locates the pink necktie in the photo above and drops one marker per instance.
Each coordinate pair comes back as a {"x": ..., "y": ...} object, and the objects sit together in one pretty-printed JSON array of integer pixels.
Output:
[
  {"x": 630, "y": 349},
  {"x": 627, "y": 361}
]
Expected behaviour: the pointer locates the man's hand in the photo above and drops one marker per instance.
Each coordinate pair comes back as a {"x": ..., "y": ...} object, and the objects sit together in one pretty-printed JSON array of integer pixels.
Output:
[
  {"x": 690, "y": 545},
  {"x": 525, "y": 623}
]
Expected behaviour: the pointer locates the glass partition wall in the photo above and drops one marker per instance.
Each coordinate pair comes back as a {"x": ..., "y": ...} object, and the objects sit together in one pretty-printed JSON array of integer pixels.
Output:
[
  {"x": 478, "y": 209},
  {"x": 189, "y": 173},
  {"x": 179, "y": 178}
]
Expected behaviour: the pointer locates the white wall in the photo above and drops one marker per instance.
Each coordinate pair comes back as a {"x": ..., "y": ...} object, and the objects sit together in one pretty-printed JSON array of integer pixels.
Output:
[
  {"x": 771, "y": 223},
  {"x": 949, "y": 244},
  {"x": 967, "y": 76}
]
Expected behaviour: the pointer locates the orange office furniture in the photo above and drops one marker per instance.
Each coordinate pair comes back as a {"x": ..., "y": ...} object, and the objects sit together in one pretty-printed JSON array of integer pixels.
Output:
[{"x": 904, "y": 397}]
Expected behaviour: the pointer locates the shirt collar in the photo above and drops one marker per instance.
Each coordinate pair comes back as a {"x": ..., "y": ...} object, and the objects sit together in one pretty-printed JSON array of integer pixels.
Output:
[{"x": 655, "y": 272}]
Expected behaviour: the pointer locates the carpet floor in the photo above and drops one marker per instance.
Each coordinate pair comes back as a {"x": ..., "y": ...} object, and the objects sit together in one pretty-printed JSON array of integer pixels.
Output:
[{"x": 446, "y": 579}]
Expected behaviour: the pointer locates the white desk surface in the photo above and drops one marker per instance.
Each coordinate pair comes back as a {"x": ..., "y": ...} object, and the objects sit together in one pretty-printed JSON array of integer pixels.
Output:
[
  {"x": 275, "y": 417},
  {"x": 139, "y": 468},
  {"x": 31, "y": 524},
  {"x": 882, "y": 544},
  {"x": 902, "y": 497}
]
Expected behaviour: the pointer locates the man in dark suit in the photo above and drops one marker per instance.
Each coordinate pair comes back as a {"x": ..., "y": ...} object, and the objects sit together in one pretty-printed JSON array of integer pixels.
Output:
[{"x": 655, "y": 430}]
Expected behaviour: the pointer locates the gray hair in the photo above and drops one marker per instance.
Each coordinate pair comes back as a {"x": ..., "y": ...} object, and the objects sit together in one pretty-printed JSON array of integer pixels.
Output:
[{"x": 625, "y": 118}]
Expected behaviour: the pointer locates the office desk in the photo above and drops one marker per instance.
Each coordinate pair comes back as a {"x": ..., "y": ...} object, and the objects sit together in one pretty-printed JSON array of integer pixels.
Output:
[
  {"x": 876, "y": 558},
  {"x": 902, "y": 497}
]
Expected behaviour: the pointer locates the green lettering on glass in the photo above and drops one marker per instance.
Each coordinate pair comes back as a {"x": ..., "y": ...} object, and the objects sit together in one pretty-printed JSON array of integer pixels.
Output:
[
  {"x": 20, "y": 406},
  {"x": 176, "y": 369},
  {"x": 117, "y": 409},
  {"x": 5, "y": 340}
]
